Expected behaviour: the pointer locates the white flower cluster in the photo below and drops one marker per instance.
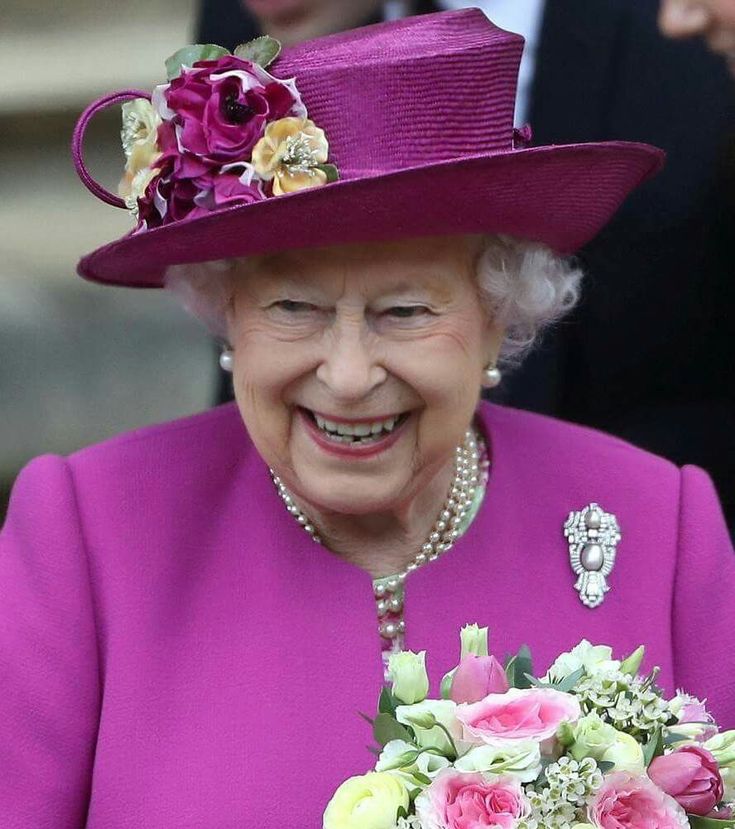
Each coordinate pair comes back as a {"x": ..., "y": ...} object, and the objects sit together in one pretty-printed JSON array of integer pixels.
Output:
[
  {"x": 630, "y": 704},
  {"x": 560, "y": 804}
]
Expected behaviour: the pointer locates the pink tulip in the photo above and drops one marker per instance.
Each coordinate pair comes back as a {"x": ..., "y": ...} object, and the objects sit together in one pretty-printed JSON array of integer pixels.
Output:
[
  {"x": 476, "y": 677},
  {"x": 691, "y": 776}
]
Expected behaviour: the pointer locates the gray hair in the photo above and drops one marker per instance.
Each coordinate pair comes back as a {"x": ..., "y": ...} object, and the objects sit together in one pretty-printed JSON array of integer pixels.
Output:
[{"x": 525, "y": 286}]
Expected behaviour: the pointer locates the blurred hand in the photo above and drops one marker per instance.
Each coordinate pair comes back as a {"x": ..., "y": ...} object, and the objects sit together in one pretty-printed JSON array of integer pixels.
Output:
[
  {"x": 712, "y": 19},
  {"x": 292, "y": 21}
]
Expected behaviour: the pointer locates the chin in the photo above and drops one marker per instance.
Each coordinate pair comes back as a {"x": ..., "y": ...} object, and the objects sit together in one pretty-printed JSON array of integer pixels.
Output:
[{"x": 345, "y": 495}]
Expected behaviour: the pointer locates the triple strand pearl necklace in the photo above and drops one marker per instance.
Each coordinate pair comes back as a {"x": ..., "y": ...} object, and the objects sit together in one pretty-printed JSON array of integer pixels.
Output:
[{"x": 471, "y": 469}]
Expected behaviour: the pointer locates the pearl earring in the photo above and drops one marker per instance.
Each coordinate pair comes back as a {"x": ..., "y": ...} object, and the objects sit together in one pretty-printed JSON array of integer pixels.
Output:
[
  {"x": 491, "y": 377},
  {"x": 226, "y": 360}
]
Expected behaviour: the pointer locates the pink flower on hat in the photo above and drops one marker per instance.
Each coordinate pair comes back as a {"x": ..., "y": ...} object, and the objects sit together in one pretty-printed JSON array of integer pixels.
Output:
[
  {"x": 518, "y": 714},
  {"x": 627, "y": 802},
  {"x": 457, "y": 800},
  {"x": 221, "y": 107},
  {"x": 691, "y": 776}
]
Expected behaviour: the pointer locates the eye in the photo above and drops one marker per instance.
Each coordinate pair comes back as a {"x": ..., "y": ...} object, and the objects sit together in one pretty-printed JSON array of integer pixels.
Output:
[
  {"x": 407, "y": 311},
  {"x": 292, "y": 306}
]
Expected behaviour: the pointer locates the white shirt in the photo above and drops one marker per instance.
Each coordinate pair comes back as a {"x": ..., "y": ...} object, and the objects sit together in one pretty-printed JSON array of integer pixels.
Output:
[{"x": 523, "y": 17}]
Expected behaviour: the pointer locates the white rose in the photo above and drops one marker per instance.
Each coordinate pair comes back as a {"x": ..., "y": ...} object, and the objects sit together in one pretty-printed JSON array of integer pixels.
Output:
[
  {"x": 626, "y": 754},
  {"x": 370, "y": 801},
  {"x": 523, "y": 760},
  {"x": 427, "y": 763},
  {"x": 419, "y": 717},
  {"x": 408, "y": 674},
  {"x": 593, "y": 658}
]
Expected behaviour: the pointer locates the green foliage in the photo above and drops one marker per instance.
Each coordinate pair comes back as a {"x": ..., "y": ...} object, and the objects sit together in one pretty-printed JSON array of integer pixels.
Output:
[
  {"x": 263, "y": 51},
  {"x": 519, "y": 667},
  {"x": 654, "y": 747},
  {"x": 385, "y": 729},
  {"x": 189, "y": 55},
  {"x": 710, "y": 823},
  {"x": 387, "y": 703}
]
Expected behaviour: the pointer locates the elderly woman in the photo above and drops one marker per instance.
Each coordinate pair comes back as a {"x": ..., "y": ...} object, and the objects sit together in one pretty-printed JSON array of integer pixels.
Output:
[{"x": 181, "y": 604}]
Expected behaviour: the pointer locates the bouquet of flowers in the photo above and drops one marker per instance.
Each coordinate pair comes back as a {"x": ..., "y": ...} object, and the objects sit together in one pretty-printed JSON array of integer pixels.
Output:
[{"x": 590, "y": 744}]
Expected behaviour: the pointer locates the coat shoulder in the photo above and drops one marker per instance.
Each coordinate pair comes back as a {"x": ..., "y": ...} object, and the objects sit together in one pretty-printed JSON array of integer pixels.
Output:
[
  {"x": 213, "y": 438},
  {"x": 564, "y": 450}
]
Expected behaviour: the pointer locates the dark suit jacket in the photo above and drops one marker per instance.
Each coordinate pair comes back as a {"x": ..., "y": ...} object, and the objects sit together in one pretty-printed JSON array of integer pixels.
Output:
[{"x": 648, "y": 354}]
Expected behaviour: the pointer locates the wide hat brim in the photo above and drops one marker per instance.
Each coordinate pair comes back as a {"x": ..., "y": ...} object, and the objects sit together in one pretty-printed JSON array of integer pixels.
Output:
[{"x": 559, "y": 195}]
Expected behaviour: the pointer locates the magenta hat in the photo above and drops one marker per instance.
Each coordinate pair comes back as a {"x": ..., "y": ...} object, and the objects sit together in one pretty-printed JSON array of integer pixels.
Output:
[{"x": 414, "y": 120}]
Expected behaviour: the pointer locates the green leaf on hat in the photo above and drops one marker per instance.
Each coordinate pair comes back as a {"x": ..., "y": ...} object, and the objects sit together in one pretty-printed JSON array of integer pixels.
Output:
[
  {"x": 189, "y": 55},
  {"x": 709, "y": 823},
  {"x": 263, "y": 51},
  {"x": 331, "y": 172}
]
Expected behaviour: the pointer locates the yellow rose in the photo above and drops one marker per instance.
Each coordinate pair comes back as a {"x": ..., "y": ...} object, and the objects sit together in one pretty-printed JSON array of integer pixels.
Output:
[
  {"x": 370, "y": 801},
  {"x": 289, "y": 154}
]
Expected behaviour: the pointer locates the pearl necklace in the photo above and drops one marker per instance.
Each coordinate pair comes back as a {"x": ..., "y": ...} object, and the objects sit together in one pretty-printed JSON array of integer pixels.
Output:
[{"x": 471, "y": 471}]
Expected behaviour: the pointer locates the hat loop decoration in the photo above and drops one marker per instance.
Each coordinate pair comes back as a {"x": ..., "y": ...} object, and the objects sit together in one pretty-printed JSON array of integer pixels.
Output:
[
  {"x": 229, "y": 160},
  {"x": 77, "y": 142}
]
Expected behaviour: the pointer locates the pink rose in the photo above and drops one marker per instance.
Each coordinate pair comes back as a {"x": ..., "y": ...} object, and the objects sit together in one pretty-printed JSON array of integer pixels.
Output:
[
  {"x": 220, "y": 107},
  {"x": 690, "y": 774},
  {"x": 476, "y": 677},
  {"x": 530, "y": 714},
  {"x": 457, "y": 800},
  {"x": 628, "y": 802}
]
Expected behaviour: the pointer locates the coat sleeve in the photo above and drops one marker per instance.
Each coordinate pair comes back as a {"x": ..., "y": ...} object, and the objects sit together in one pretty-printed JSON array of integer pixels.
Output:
[
  {"x": 49, "y": 664},
  {"x": 704, "y": 599}
]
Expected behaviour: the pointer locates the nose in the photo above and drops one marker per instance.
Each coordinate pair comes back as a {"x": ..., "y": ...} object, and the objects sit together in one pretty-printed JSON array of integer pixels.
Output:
[{"x": 349, "y": 368}]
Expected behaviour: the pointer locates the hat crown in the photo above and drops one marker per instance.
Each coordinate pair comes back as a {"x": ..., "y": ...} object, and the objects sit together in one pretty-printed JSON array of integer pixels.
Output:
[{"x": 427, "y": 89}]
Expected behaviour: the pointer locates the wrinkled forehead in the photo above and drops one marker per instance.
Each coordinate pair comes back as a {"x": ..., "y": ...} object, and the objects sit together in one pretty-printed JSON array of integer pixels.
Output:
[{"x": 437, "y": 262}]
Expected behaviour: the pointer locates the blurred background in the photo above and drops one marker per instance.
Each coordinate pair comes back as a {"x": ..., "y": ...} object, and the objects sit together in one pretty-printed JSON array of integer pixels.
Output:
[
  {"x": 648, "y": 355},
  {"x": 79, "y": 362}
]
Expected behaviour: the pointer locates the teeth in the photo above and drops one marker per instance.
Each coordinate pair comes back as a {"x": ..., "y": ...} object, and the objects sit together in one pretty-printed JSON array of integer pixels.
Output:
[{"x": 358, "y": 430}]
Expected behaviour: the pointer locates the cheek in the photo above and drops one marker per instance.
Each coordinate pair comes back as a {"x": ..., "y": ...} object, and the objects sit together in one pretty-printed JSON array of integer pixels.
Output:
[
  {"x": 265, "y": 372},
  {"x": 445, "y": 367},
  {"x": 444, "y": 371}
]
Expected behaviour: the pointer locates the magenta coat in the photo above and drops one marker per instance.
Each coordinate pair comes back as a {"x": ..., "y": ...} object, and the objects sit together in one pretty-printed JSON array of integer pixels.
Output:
[{"x": 175, "y": 652}]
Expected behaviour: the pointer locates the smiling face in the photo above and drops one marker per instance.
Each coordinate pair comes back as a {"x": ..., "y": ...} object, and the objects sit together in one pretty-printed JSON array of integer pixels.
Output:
[{"x": 357, "y": 369}]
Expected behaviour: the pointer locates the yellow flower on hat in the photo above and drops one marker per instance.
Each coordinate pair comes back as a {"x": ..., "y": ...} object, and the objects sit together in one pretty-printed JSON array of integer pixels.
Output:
[
  {"x": 140, "y": 145},
  {"x": 290, "y": 155},
  {"x": 140, "y": 134}
]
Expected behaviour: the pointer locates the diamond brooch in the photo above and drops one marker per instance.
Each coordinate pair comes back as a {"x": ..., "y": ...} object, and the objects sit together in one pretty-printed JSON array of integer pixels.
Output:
[{"x": 593, "y": 536}]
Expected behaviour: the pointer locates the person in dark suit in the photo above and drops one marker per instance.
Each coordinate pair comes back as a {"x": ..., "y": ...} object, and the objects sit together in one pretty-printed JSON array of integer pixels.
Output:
[{"x": 648, "y": 353}]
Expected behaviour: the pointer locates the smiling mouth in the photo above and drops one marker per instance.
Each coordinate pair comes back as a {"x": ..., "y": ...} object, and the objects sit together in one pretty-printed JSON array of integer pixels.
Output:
[{"x": 356, "y": 432}]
